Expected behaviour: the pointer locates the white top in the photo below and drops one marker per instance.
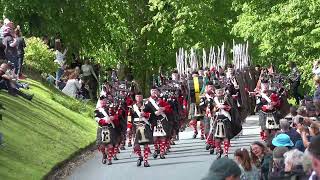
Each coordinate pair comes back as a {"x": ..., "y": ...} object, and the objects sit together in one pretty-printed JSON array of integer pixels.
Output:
[
  {"x": 316, "y": 70},
  {"x": 71, "y": 88},
  {"x": 60, "y": 57}
]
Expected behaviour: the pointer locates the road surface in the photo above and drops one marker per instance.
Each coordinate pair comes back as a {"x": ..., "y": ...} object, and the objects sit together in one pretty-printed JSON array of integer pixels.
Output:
[{"x": 188, "y": 160}]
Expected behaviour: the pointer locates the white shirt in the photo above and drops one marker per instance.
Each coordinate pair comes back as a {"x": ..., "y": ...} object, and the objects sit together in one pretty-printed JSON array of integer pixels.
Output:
[
  {"x": 60, "y": 57},
  {"x": 71, "y": 88}
]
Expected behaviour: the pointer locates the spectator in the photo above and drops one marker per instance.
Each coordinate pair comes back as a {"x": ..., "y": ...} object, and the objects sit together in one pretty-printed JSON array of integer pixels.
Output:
[
  {"x": 282, "y": 140},
  {"x": 248, "y": 170},
  {"x": 314, "y": 149},
  {"x": 2, "y": 55},
  {"x": 75, "y": 61},
  {"x": 291, "y": 132},
  {"x": 46, "y": 40},
  {"x": 307, "y": 163},
  {"x": 302, "y": 111},
  {"x": 295, "y": 81},
  {"x": 277, "y": 169},
  {"x": 261, "y": 158},
  {"x": 89, "y": 76},
  {"x": 73, "y": 86},
  {"x": 223, "y": 169},
  {"x": 294, "y": 164},
  {"x": 316, "y": 68},
  {"x": 6, "y": 84},
  {"x": 308, "y": 133},
  {"x": 316, "y": 96},
  {"x": 20, "y": 49},
  {"x": 10, "y": 44},
  {"x": 60, "y": 60}
]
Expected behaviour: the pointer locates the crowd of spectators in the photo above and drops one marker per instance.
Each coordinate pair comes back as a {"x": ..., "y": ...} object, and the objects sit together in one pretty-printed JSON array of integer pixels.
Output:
[
  {"x": 75, "y": 79},
  {"x": 11, "y": 59}
]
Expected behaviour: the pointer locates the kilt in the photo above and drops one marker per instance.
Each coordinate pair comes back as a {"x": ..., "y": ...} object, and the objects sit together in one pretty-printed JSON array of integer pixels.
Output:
[
  {"x": 110, "y": 139},
  {"x": 192, "y": 113},
  {"x": 146, "y": 137},
  {"x": 227, "y": 126},
  {"x": 263, "y": 118}
]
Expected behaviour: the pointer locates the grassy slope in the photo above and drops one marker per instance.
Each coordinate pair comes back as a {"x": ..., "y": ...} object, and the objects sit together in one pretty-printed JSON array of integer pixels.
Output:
[{"x": 39, "y": 134}]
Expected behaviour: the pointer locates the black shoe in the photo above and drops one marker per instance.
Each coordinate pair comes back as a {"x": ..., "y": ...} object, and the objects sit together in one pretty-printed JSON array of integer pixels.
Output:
[
  {"x": 218, "y": 155},
  {"x": 195, "y": 135},
  {"x": 202, "y": 138},
  {"x": 226, "y": 155},
  {"x": 208, "y": 146},
  {"x": 146, "y": 164},
  {"x": 104, "y": 159},
  {"x": 129, "y": 145},
  {"x": 122, "y": 148},
  {"x": 211, "y": 150},
  {"x": 139, "y": 161},
  {"x": 162, "y": 156},
  {"x": 109, "y": 163},
  {"x": 155, "y": 155},
  {"x": 115, "y": 158}
]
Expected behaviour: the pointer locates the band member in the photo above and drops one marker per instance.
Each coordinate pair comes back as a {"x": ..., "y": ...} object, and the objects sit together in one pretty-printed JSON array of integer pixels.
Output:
[
  {"x": 222, "y": 123},
  {"x": 158, "y": 118},
  {"x": 294, "y": 79},
  {"x": 143, "y": 132},
  {"x": 268, "y": 104},
  {"x": 232, "y": 85},
  {"x": 207, "y": 103},
  {"x": 107, "y": 133},
  {"x": 196, "y": 114}
]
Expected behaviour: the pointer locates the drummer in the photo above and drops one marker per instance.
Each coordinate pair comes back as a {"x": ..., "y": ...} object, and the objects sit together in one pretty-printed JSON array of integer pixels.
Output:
[{"x": 194, "y": 113}]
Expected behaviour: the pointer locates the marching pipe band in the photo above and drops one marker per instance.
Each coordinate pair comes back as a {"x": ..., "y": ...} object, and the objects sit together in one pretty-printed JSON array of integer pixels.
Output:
[{"x": 218, "y": 100}]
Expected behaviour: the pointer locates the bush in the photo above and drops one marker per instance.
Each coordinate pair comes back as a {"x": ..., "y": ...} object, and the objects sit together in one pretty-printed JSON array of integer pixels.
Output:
[{"x": 39, "y": 57}]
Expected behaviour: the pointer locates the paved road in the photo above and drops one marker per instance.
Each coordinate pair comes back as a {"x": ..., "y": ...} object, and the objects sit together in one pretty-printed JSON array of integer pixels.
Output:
[{"x": 188, "y": 160}]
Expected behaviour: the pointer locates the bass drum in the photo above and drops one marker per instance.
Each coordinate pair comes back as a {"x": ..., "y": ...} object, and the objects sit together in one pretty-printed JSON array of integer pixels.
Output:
[{"x": 194, "y": 88}]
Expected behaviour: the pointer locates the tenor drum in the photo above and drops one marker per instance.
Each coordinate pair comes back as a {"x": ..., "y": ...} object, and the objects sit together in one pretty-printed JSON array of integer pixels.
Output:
[{"x": 194, "y": 88}]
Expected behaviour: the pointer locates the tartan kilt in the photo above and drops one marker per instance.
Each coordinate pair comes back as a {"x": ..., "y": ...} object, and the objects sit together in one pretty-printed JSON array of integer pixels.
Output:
[
  {"x": 147, "y": 133},
  {"x": 263, "y": 118},
  {"x": 191, "y": 114},
  {"x": 227, "y": 126},
  {"x": 207, "y": 124},
  {"x": 114, "y": 136}
]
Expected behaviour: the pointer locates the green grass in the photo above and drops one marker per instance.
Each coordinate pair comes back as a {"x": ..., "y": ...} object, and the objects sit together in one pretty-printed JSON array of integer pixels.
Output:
[{"x": 40, "y": 133}]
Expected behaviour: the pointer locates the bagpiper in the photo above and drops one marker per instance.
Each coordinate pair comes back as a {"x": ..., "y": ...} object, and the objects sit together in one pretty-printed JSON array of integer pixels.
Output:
[
  {"x": 268, "y": 104},
  {"x": 222, "y": 127},
  {"x": 207, "y": 104},
  {"x": 107, "y": 132},
  {"x": 158, "y": 118},
  {"x": 142, "y": 128}
]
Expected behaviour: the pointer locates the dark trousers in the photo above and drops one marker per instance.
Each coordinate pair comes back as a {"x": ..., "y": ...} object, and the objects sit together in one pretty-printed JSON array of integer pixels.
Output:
[
  {"x": 20, "y": 61},
  {"x": 295, "y": 86}
]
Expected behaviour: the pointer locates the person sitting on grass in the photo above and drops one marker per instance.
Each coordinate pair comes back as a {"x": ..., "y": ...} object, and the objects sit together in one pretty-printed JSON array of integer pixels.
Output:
[{"x": 7, "y": 84}]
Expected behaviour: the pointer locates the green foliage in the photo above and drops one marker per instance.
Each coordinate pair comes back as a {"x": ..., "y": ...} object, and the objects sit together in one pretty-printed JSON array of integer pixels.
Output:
[
  {"x": 40, "y": 133},
  {"x": 282, "y": 31},
  {"x": 38, "y": 56}
]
